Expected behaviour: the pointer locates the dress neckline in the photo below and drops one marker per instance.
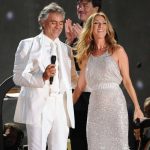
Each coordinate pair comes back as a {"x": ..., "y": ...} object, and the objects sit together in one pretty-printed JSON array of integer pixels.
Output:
[{"x": 96, "y": 56}]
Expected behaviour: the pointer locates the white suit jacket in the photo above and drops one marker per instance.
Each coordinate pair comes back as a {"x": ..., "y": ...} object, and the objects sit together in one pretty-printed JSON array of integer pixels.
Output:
[{"x": 28, "y": 70}]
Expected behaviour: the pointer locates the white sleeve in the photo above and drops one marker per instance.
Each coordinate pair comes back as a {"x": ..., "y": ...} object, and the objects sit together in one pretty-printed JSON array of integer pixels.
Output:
[{"x": 27, "y": 72}]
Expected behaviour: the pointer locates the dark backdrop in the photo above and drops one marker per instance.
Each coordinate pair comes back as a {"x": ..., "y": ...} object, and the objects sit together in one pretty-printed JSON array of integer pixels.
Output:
[{"x": 130, "y": 18}]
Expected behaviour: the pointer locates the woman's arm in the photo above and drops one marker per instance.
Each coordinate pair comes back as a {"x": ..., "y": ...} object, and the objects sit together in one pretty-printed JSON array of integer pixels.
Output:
[
  {"x": 124, "y": 69},
  {"x": 81, "y": 84}
]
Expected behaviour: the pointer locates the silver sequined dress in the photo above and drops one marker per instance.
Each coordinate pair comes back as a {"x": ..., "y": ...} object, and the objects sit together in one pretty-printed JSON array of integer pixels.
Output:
[{"x": 107, "y": 122}]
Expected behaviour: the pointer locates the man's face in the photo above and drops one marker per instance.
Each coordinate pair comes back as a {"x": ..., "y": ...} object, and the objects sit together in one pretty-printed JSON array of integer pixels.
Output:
[
  {"x": 85, "y": 9},
  {"x": 53, "y": 26}
]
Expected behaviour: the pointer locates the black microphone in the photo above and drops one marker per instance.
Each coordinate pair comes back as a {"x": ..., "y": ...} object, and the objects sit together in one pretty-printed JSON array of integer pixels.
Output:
[
  {"x": 53, "y": 60},
  {"x": 139, "y": 65}
]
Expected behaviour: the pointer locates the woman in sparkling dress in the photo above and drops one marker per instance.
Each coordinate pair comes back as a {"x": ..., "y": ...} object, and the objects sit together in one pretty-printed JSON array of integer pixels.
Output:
[{"x": 104, "y": 65}]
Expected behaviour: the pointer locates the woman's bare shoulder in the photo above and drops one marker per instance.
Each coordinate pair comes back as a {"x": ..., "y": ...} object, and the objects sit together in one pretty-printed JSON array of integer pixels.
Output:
[{"x": 119, "y": 50}]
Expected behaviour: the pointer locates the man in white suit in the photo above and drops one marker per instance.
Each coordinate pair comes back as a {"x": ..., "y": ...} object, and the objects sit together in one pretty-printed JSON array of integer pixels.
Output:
[{"x": 46, "y": 109}]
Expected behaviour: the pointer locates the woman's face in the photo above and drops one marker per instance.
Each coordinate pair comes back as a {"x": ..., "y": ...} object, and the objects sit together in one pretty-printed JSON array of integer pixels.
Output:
[{"x": 99, "y": 27}]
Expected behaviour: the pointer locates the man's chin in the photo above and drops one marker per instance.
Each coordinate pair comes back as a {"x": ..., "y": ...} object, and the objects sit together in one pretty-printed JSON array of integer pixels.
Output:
[
  {"x": 55, "y": 36},
  {"x": 82, "y": 18}
]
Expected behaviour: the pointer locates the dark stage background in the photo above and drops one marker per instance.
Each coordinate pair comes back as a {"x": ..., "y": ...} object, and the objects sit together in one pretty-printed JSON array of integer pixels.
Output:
[{"x": 130, "y": 18}]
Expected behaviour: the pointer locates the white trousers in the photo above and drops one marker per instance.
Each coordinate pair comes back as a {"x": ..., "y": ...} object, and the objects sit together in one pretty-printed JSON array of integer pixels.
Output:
[{"x": 53, "y": 129}]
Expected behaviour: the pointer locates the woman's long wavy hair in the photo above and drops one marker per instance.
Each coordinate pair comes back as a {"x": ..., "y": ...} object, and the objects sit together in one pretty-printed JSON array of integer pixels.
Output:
[{"x": 86, "y": 43}]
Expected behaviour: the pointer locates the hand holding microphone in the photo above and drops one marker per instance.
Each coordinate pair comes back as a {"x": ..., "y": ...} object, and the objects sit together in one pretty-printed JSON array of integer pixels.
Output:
[
  {"x": 53, "y": 60},
  {"x": 50, "y": 70}
]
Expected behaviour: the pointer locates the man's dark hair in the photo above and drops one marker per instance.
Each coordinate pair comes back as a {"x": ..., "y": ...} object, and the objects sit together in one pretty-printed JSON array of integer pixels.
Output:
[
  {"x": 96, "y": 3},
  {"x": 12, "y": 136},
  {"x": 147, "y": 107}
]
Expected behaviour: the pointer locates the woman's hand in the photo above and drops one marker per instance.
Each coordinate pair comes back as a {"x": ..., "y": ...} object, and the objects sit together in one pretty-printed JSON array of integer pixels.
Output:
[{"x": 138, "y": 114}]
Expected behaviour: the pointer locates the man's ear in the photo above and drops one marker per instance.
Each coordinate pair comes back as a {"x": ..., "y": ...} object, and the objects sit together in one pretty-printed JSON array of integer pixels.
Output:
[
  {"x": 42, "y": 24},
  {"x": 96, "y": 9}
]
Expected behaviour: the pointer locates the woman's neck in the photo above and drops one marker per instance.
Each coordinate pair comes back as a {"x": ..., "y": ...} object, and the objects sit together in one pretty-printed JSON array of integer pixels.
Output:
[{"x": 100, "y": 45}]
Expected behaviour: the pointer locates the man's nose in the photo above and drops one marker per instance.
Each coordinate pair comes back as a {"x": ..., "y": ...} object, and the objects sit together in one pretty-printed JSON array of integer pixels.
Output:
[
  {"x": 80, "y": 7},
  {"x": 58, "y": 25}
]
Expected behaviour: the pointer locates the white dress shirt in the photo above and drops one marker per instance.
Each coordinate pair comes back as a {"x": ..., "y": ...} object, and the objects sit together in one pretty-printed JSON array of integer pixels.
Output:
[{"x": 51, "y": 49}]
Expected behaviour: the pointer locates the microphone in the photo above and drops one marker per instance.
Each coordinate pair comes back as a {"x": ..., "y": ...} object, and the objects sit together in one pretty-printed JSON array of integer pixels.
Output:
[
  {"x": 53, "y": 60},
  {"x": 139, "y": 65}
]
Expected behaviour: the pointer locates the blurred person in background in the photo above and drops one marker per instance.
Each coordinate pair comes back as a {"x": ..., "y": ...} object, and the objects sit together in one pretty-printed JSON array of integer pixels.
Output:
[{"x": 84, "y": 8}]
